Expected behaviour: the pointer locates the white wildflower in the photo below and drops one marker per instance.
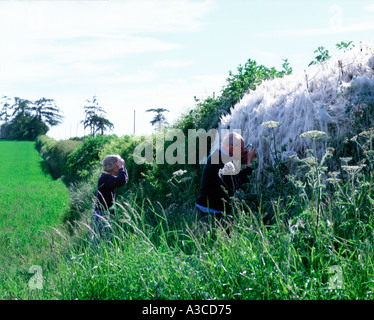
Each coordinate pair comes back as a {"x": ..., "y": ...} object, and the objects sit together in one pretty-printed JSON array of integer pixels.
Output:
[
  {"x": 314, "y": 134},
  {"x": 345, "y": 159},
  {"x": 180, "y": 172},
  {"x": 352, "y": 169},
  {"x": 271, "y": 124}
]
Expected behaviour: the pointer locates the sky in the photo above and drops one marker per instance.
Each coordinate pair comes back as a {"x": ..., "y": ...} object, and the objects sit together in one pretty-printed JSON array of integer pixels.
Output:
[{"x": 137, "y": 55}]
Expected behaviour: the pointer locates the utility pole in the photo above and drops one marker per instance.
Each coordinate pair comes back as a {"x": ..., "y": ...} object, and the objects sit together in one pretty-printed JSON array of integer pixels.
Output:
[{"x": 134, "y": 123}]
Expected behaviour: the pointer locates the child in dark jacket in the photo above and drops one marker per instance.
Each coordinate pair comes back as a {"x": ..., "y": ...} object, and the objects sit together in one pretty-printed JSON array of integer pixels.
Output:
[{"x": 114, "y": 175}]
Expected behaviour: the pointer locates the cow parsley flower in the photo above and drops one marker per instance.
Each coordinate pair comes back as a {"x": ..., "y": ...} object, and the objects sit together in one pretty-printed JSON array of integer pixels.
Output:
[
  {"x": 271, "y": 124},
  {"x": 314, "y": 134}
]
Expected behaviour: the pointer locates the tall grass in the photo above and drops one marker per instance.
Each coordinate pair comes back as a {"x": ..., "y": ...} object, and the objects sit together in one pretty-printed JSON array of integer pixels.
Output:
[{"x": 287, "y": 260}]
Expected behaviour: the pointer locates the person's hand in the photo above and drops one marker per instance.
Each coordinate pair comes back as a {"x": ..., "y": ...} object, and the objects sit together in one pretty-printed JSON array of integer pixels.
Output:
[{"x": 120, "y": 163}]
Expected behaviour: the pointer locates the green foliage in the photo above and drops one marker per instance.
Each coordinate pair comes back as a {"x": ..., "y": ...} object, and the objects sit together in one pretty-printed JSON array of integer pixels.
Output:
[
  {"x": 23, "y": 127},
  {"x": 44, "y": 144},
  {"x": 207, "y": 113},
  {"x": 345, "y": 45},
  {"x": 56, "y": 153},
  {"x": 80, "y": 162},
  {"x": 322, "y": 56}
]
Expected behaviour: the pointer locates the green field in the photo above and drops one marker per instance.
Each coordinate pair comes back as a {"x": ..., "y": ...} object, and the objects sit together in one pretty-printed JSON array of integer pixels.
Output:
[{"x": 30, "y": 203}]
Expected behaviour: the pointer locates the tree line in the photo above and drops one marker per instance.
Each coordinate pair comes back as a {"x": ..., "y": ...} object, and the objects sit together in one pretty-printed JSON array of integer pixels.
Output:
[{"x": 25, "y": 119}]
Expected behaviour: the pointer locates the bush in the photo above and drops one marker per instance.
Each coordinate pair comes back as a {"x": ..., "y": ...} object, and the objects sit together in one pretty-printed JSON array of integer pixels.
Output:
[
  {"x": 23, "y": 127},
  {"x": 44, "y": 144},
  {"x": 55, "y": 153},
  {"x": 80, "y": 162}
]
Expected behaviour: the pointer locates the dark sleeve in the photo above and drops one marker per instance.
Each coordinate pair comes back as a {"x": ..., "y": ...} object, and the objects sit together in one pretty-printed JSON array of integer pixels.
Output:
[
  {"x": 234, "y": 182},
  {"x": 243, "y": 176},
  {"x": 112, "y": 182}
]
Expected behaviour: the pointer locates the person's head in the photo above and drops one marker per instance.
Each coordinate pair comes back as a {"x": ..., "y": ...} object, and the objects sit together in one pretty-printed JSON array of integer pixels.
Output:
[
  {"x": 110, "y": 163},
  {"x": 233, "y": 144}
]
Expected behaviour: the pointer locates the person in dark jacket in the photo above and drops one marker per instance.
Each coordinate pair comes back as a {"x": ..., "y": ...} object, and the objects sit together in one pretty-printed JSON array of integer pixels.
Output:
[
  {"x": 221, "y": 177},
  {"x": 114, "y": 175}
]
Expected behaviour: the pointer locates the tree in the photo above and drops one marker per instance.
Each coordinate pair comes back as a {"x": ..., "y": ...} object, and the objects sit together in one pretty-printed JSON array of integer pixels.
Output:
[
  {"x": 103, "y": 124},
  {"x": 29, "y": 118},
  {"x": 20, "y": 106},
  {"x": 94, "y": 117},
  {"x": 47, "y": 111},
  {"x": 4, "y": 116},
  {"x": 159, "y": 119},
  {"x": 23, "y": 127}
]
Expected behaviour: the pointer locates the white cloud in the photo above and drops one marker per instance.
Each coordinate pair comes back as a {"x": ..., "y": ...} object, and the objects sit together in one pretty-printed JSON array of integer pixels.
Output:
[
  {"x": 173, "y": 63},
  {"x": 370, "y": 7},
  {"x": 368, "y": 26},
  {"x": 66, "y": 19},
  {"x": 84, "y": 41}
]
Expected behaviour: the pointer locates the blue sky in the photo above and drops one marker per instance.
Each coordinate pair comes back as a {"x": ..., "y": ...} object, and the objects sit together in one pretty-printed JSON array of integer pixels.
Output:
[{"x": 136, "y": 55}]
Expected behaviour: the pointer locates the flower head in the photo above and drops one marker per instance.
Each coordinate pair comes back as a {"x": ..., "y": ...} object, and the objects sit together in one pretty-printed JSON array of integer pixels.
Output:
[
  {"x": 333, "y": 180},
  {"x": 369, "y": 134},
  {"x": 310, "y": 161},
  {"x": 271, "y": 124},
  {"x": 352, "y": 169},
  {"x": 314, "y": 134},
  {"x": 180, "y": 172},
  {"x": 345, "y": 159}
]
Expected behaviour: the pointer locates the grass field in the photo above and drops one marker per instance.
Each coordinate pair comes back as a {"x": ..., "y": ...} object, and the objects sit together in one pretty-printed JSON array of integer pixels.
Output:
[{"x": 30, "y": 203}]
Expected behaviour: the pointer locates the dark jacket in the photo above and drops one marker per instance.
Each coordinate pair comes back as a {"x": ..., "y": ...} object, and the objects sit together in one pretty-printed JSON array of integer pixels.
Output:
[
  {"x": 215, "y": 192},
  {"x": 105, "y": 188}
]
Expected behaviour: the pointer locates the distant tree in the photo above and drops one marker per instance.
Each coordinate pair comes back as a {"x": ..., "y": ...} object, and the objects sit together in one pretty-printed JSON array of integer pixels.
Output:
[
  {"x": 29, "y": 118},
  {"x": 4, "y": 116},
  {"x": 23, "y": 127},
  {"x": 94, "y": 117},
  {"x": 103, "y": 125},
  {"x": 20, "y": 106},
  {"x": 159, "y": 119},
  {"x": 46, "y": 110}
]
